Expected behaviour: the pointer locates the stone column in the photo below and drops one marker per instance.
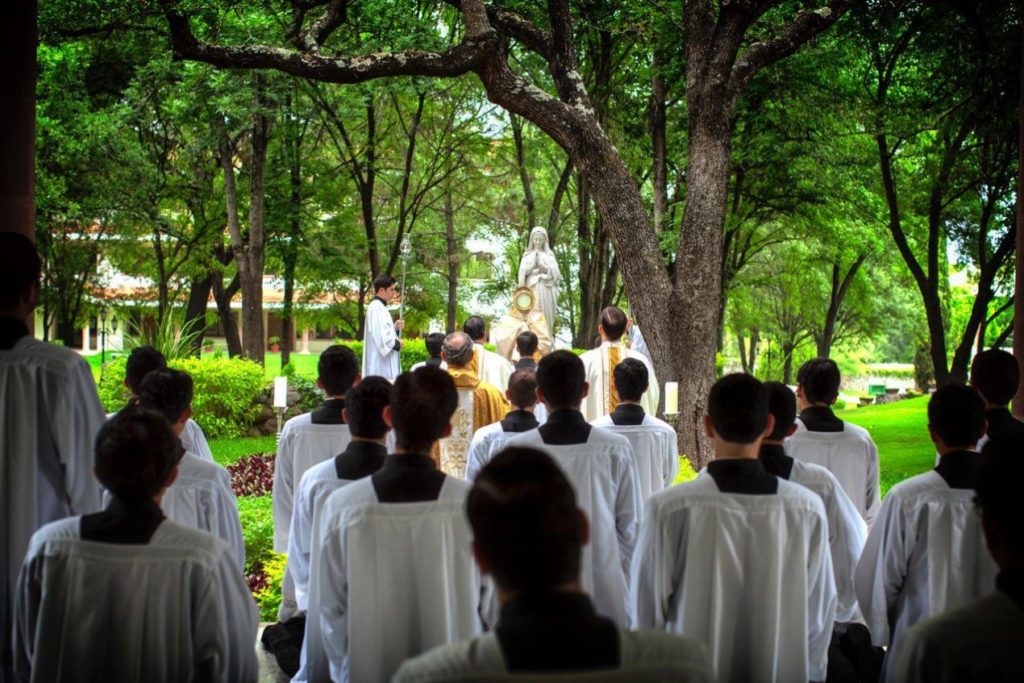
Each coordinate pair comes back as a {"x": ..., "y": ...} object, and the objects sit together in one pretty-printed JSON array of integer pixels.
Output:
[
  {"x": 85, "y": 339},
  {"x": 305, "y": 341}
]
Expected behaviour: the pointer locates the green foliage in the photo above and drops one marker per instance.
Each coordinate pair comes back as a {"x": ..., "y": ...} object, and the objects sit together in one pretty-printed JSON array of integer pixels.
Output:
[
  {"x": 227, "y": 451},
  {"x": 224, "y": 402},
  {"x": 257, "y": 516},
  {"x": 907, "y": 372},
  {"x": 164, "y": 337},
  {"x": 269, "y": 598}
]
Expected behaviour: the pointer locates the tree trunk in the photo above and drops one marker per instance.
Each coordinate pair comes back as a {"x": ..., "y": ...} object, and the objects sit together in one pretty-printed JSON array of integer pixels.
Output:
[
  {"x": 222, "y": 297},
  {"x": 195, "y": 312},
  {"x": 788, "y": 348},
  {"x": 453, "y": 261},
  {"x": 659, "y": 147},
  {"x": 524, "y": 172}
]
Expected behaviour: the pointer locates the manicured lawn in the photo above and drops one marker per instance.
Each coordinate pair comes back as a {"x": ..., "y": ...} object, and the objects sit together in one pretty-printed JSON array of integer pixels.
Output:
[
  {"x": 901, "y": 432},
  {"x": 227, "y": 451}
]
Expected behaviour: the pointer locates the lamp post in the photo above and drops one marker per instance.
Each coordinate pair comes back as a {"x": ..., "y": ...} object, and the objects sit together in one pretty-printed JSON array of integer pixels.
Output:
[
  {"x": 103, "y": 336},
  {"x": 405, "y": 252}
]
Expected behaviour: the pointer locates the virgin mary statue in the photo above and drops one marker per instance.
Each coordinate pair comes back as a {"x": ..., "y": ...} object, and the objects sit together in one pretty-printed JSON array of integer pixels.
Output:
[{"x": 539, "y": 271}]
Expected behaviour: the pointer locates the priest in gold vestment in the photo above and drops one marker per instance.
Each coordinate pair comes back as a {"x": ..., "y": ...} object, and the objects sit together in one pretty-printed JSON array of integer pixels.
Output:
[{"x": 524, "y": 315}]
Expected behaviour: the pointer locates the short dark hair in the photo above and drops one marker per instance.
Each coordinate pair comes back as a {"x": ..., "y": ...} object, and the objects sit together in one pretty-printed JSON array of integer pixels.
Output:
[
  {"x": 168, "y": 392},
  {"x": 20, "y": 268},
  {"x": 957, "y": 414},
  {"x": 383, "y": 281},
  {"x": 526, "y": 343},
  {"x": 364, "y": 405},
  {"x": 135, "y": 451},
  {"x": 458, "y": 349},
  {"x": 998, "y": 488},
  {"x": 525, "y": 522},
  {"x": 422, "y": 403},
  {"x": 475, "y": 327},
  {"x": 782, "y": 406},
  {"x": 522, "y": 388},
  {"x": 613, "y": 322},
  {"x": 337, "y": 369},
  {"x": 142, "y": 361},
  {"x": 996, "y": 375},
  {"x": 820, "y": 379},
  {"x": 738, "y": 406},
  {"x": 631, "y": 379},
  {"x": 433, "y": 343},
  {"x": 561, "y": 378}
]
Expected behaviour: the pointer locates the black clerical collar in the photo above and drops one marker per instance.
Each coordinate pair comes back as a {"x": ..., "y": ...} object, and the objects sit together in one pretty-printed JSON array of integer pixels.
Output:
[
  {"x": 743, "y": 475},
  {"x": 11, "y": 331},
  {"x": 360, "y": 459},
  {"x": 377, "y": 298},
  {"x": 820, "y": 419},
  {"x": 519, "y": 421},
  {"x": 773, "y": 457},
  {"x": 408, "y": 478},
  {"x": 434, "y": 362},
  {"x": 124, "y": 522},
  {"x": 628, "y": 414},
  {"x": 328, "y": 412},
  {"x": 1011, "y": 583},
  {"x": 555, "y": 631},
  {"x": 1001, "y": 422},
  {"x": 526, "y": 363},
  {"x": 958, "y": 468},
  {"x": 565, "y": 427}
]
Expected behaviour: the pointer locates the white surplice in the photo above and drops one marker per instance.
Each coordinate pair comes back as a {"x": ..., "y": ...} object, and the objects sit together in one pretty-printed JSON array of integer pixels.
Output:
[
  {"x": 492, "y": 368},
  {"x": 656, "y": 448},
  {"x": 637, "y": 343},
  {"x": 643, "y": 656},
  {"x": 981, "y": 642},
  {"x": 603, "y": 474},
  {"x": 380, "y": 357},
  {"x": 51, "y": 414},
  {"x": 487, "y": 442},
  {"x": 846, "y": 532},
  {"x": 194, "y": 440},
  {"x": 371, "y": 606},
  {"x": 599, "y": 377},
  {"x": 749, "y": 575},
  {"x": 850, "y": 455},
  {"x": 174, "y": 609},
  {"x": 925, "y": 554}
]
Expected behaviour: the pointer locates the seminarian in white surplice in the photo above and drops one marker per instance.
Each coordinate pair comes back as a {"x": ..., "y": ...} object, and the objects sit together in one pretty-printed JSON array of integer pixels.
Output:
[
  {"x": 381, "y": 345},
  {"x": 602, "y": 398},
  {"x": 490, "y": 367},
  {"x": 488, "y": 440},
  {"x": 739, "y": 558}
]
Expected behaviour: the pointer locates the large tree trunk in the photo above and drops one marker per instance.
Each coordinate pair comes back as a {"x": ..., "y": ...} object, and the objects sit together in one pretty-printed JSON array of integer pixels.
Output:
[
  {"x": 837, "y": 295},
  {"x": 222, "y": 297},
  {"x": 195, "y": 311}
]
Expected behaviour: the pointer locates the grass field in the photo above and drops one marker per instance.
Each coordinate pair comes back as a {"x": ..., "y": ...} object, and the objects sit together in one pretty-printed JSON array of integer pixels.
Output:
[{"x": 900, "y": 431}]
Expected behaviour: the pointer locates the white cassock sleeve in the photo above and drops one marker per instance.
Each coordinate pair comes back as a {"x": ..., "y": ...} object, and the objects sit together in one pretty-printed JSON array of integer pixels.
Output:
[
  {"x": 194, "y": 441},
  {"x": 78, "y": 416},
  {"x": 652, "y": 397},
  {"x": 283, "y": 491},
  {"x": 229, "y": 525},
  {"x": 331, "y": 575},
  {"x": 226, "y": 625},
  {"x": 299, "y": 544},
  {"x": 821, "y": 600},
  {"x": 627, "y": 510},
  {"x": 846, "y": 540},
  {"x": 872, "y": 496},
  {"x": 637, "y": 343},
  {"x": 383, "y": 330},
  {"x": 672, "y": 462},
  {"x": 883, "y": 568},
  {"x": 651, "y": 582},
  {"x": 479, "y": 453}
]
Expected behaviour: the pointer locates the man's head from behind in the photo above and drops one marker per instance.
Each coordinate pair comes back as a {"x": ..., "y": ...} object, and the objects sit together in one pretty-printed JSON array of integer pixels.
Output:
[
  {"x": 613, "y": 323},
  {"x": 475, "y": 328},
  {"x": 434, "y": 342},
  {"x": 562, "y": 380},
  {"x": 457, "y": 349},
  {"x": 956, "y": 417},
  {"x": 631, "y": 379},
  {"x": 996, "y": 375},
  {"x": 998, "y": 492},
  {"x": 141, "y": 361},
  {"x": 337, "y": 370},
  {"x": 364, "y": 408},
  {"x": 421, "y": 407},
  {"x": 522, "y": 389},
  {"x": 527, "y": 530},
  {"x": 526, "y": 344},
  {"x": 20, "y": 270},
  {"x": 818, "y": 381},
  {"x": 737, "y": 410},
  {"x": 136, "y": 454},
  {"x": 782, "y": 406},
  {"x": 168, "y": 392}
]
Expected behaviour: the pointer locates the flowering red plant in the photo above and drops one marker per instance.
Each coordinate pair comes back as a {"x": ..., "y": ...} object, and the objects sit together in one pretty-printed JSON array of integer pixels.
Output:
[{"x": 253, "y": 475}]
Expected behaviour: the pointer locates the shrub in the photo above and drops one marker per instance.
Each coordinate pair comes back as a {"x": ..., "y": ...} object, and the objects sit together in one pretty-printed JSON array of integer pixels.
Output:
[
  {"x": 263, "y": 567},
  {"x": 310, "y": 395},
  {"x": 226, "y": 392},
  {"x": 253, "y": 475},
  {"x": 267, "y": 577},
  {"x": 840, "y": 404}
]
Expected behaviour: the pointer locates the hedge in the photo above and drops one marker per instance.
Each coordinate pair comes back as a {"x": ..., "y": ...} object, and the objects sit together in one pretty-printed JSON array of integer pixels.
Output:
[{"x": 226, "y": 392}]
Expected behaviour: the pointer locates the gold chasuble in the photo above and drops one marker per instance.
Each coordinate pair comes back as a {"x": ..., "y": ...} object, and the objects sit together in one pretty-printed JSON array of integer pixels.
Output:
[
  {"x": 480, "y": 404},
  {"x": 610, "y": 389}
]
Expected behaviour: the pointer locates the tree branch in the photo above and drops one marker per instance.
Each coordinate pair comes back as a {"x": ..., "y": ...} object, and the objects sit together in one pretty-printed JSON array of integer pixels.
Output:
[{"x": 514, "y": 25}]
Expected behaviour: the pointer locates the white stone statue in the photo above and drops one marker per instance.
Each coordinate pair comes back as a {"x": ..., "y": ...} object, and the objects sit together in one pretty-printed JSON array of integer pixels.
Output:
[{"x": 539, "y": 271}]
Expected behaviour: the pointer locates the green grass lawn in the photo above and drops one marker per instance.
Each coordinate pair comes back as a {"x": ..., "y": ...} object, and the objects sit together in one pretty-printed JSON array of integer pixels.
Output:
[
  {"x": 227, "y": 451},
  {"x": 901, "y": 432}
]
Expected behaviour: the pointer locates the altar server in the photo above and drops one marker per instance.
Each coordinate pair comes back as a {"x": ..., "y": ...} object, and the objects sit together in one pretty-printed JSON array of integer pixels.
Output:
[
  {"x": 392, "y": 567},
  {"x": 145, "y": 359},
  {"x": 307, "y": 440},
  {"x": 821, "y": 438},
  {"x": 846, "y": 529},
  {"x": 488, "y": 440},
  {"x": 739, "y": 558},
  {"x": 381, "y": 345},
  {"x": 51, "y": 414},
  {"x": 995, "y": 374},
  {"x": 125, "y": 594},
  {"x": 432, "y": 342},
  {"x": 602, "y": 469},
  {"x": 983, "y": 641},
  {"x": 602, "y": 398},
  {"x": 528, "y": 534},
  {"x": 489, "y": 366},
  {"x": 925, "y": 553},
  {"x": 654, "y": 441},
  {"x": 201, "y": 496}
]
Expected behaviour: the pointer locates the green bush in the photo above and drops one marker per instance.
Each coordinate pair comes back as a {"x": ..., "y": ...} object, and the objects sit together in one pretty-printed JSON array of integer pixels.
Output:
[
  {"x": 226, "y": 391},
  {"x": 257, "y": 517},
  {"x": 840, "y": 404},
  {"x": 413, "y": 350}
]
